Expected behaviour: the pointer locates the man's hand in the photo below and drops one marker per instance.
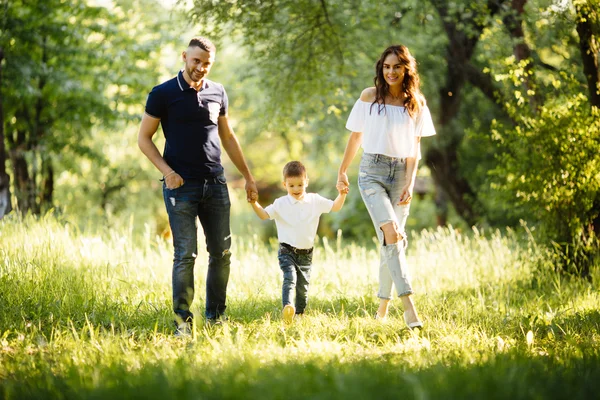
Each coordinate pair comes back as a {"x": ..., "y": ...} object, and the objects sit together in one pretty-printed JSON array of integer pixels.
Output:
[{"x": 173, "y": 181}]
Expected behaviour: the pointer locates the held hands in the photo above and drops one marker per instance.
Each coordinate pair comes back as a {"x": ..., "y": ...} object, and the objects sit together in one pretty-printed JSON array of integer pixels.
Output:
[
  {"x": 342, "y": 189},
  {"x": 343, "y": 185},
  {"x": 251, "y": 192},
  {"x": 253, "y": 198}
]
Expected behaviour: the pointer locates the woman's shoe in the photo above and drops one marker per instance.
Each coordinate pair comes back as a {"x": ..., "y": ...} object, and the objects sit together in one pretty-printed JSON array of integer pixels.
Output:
[
  {"x": 379, "y": 317},
  {"x": 413, "y": 325}
]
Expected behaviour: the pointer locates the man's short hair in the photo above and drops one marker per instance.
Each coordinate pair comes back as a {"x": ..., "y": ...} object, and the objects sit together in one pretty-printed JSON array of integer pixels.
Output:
[
  {"x": 294, "y": 169},
  {"x": 204, "y": 43}
]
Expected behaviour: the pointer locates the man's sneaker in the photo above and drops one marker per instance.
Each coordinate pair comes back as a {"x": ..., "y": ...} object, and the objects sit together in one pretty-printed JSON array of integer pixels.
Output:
[
  {"x": 184, "y": 329},
  {"x": 288, "y": 313}
]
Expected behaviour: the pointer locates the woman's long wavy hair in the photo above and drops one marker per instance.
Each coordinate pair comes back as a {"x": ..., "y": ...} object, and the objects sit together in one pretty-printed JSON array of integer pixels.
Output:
[{"x": 411, "y": 84}]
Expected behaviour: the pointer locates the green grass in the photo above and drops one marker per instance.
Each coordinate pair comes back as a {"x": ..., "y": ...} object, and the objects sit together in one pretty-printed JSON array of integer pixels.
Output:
[{"x": 86, "y": 315}]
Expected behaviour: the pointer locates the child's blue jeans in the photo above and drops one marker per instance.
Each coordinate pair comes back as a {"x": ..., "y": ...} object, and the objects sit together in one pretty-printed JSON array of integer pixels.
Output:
[{"x": 296, "y": 267}]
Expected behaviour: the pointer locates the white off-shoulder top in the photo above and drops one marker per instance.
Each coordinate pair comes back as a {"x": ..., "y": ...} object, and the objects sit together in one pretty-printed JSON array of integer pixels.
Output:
[{"x": 391, "y": 132}]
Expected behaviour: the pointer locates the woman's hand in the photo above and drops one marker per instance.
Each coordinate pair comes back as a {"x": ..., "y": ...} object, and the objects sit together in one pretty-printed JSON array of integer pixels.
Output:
[{"x": 406, "y": 195}]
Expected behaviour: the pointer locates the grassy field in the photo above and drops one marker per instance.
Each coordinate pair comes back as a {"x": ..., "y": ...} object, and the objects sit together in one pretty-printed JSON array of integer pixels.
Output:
[{"x": 86, "y": 315}]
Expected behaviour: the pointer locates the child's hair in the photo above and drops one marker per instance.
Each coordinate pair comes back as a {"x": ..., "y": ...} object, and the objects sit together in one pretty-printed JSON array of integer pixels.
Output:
[{"x": 294, "y": 169}]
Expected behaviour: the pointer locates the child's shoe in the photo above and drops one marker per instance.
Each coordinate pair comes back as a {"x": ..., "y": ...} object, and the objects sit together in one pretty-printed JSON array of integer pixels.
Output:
[{"x": 288, "y": 313}]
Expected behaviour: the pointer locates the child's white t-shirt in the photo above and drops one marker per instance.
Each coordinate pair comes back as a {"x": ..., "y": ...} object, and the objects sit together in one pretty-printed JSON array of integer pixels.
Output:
[
  {"x": 297, "y": 220},
  {"x": 391, "y": 132}
]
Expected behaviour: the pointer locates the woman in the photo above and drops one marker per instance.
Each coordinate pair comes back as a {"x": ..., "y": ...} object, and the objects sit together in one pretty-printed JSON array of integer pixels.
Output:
[{"x": 388, "y": 121}]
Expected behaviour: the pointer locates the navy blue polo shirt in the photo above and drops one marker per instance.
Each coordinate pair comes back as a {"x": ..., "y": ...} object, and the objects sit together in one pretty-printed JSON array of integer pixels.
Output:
[{"x": 189, "y": 121}]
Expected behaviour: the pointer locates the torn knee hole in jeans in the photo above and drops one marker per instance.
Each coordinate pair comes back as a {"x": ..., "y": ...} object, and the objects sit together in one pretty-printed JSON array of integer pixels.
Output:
[{"x": 400, "y": 237}]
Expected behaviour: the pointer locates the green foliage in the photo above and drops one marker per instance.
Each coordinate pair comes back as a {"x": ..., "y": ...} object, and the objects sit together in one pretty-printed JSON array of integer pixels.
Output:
[
  {"x": 70, "y": 66},
  {"x": 106, "y": 191},
  {"x": 299, "y": 67},
  {"x": 550, "y": 166},
  {"x": 292, "y": 69},
  {"x": 86, "y": 314},
  {"x": 310, "y": 60},
  {"x": 72, "y": 63}
]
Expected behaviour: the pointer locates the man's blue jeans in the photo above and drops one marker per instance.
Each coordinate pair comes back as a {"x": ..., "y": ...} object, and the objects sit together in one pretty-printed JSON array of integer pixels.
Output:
[{"x": 208, "y": 201}]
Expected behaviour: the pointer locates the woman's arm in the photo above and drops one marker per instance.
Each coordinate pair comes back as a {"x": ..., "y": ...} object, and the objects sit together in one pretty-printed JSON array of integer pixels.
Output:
[
  {"x": 411, "y": 174},
  {"x": 352, "y": 147}
]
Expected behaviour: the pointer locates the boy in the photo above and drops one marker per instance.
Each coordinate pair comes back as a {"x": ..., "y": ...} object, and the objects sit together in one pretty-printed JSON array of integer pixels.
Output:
[{"x": 297, "y": 218}]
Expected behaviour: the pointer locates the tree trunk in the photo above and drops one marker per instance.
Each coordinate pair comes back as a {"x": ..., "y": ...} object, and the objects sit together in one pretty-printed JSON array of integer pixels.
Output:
[
  {"x": 5, "y": 203},
  {"x": 443, "y": 159},
  {"x": 32, "y": 170},
  {"x": 24, "y": 183},
  {"x": 47, "y": 183},
  {"x": 443, "y": 164},
  {"x": 589, "y": 48},
  {"x": 588, "y": 29}
]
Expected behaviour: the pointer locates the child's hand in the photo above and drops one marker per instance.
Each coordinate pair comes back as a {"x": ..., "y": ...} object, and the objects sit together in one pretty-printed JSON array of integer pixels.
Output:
[
  {"x": 342, "y": 188},
  {"x": 253, "y": 198}
]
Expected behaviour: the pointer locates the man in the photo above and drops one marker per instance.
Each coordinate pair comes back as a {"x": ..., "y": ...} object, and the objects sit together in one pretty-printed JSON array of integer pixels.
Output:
[{"x": 193, "y": 113}]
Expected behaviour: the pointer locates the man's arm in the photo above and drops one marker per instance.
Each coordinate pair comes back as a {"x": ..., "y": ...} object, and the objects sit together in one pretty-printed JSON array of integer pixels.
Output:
[
  {"x": 148, "y": 128},
  {"x": 234, "y": 151}
]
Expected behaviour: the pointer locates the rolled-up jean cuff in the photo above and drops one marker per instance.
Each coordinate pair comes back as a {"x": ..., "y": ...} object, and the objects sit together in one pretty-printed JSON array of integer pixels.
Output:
[
  {"x": 383, "y": 297},
  {"x": 407, "y": 293}
]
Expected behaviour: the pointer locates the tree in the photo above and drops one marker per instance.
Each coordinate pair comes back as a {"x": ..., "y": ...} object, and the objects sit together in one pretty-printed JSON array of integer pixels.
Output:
[
  {"x": 5, "y": 201},
  {"x": 588, "y": 29},
  {"x": 309, "y": 53},
  {"x": 548, "y": 169},
  {"x": 464, "y": 24},
  {"x": 311, "y": 56},
  {"x": 68, "y": 67}
]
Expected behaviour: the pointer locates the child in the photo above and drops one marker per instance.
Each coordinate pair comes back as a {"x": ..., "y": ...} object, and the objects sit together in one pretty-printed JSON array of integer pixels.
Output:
[{"x": 297, "y": 218}]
